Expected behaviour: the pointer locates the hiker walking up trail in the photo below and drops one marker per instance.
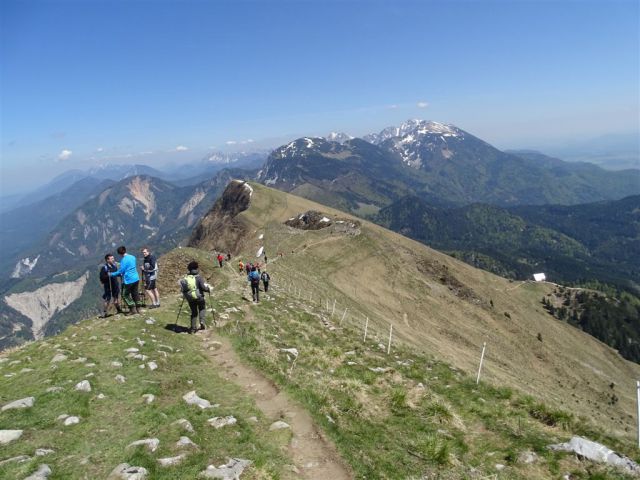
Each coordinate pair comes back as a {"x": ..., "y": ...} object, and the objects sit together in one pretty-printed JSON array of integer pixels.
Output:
[
  {"x": 130, "y": 280},
  {"x": 265, "y": 280},
  {"x": 220, "y": 259},
  {"x": 241, "y": 267},
  {"x": 111, "y": 285},
  {"x": 254, "y": 279},
  {"x": 193, "y": 288},
  {"x": 150, "y": 273}
]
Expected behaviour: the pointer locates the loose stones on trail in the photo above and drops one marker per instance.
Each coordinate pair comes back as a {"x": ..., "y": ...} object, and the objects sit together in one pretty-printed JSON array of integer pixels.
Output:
[
  {"x": 229, "y": 471},
  {"x": 22, "y": 403},
  {"x": 279, "y": 425},
  {"x": 42, "y": 473},
  {"x": 192, "y": 398},
  {"x": 83, "y": 386},
  {"x": 219, "y": 422},
  {"x": 150, "y": 443},
  {"x": 7, "y": 436},
  {"x": 124, "y": 471}
]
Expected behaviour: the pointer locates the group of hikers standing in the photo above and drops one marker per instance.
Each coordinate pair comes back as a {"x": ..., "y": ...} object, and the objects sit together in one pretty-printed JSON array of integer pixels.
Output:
[
  {"x": 124, "y": 278},
  {"x": 127, "y": 270}
]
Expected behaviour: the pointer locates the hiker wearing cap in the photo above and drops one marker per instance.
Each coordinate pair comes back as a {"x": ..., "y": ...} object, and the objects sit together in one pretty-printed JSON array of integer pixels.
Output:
[
  {"x": 193, "y": 288},
  {"x": 150, "y": 274},
  {"x": 111, "y": 285},
  {"x": 254, "y": 279},
  {"x": 130, "y": 280}
]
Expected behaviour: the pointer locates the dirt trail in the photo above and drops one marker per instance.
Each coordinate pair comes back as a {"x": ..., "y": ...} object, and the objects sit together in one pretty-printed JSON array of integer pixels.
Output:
[{"x": 314, "y": 457}]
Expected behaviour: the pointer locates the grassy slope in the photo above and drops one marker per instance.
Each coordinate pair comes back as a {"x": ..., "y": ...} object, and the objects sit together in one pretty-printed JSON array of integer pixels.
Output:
[
  {"x": 94, "y": 447},
  {"x": 448, "y": 312}
]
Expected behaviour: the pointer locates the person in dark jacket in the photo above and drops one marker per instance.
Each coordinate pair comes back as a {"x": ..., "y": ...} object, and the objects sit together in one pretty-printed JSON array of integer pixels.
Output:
[
  {"x": 265, "y": 280},
  {"x": 130, "y": 279},
  {"x": 150, "y": 274},
  {"x": 111, "y": 285},
  {"x": 193, "y": 288},
  {"x": 254, "y": 279}
]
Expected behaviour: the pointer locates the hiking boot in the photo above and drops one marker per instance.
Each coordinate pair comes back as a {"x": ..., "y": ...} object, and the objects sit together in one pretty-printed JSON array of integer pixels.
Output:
[
  {"x": 119, "y": 310},
  {"x": 203, "y": 326},
  {"x": 103, "y": 315},
  {"x": 192, "y": 331}
]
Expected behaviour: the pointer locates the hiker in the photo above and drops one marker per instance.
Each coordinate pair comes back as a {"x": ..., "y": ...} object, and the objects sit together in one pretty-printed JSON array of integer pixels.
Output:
[
  {"x": 130, "y": 280},
  {"x": 254, "y": 279},
  {"x": 241, "y": 267},
  {"x": 248, "y": 267},
  {"x": 265, "y": 280},
  {"x": 193, "y": 288},
  {"x": 265, "y": 258},
  {"x": 111, "y": 285},
  {"x": 228, "y": 256},
  {"x": 150, "y": 274},
  {"x": 220, "y": 259}
]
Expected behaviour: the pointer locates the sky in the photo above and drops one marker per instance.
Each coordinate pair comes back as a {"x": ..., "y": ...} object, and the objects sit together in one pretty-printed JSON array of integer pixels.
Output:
[{"x": 91, "y": 82}]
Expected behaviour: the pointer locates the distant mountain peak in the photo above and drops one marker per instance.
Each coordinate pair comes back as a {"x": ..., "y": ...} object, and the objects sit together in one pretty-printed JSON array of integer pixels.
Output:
[
  {"x": 414, "y": 127},
  {"x": 339, "y": 137}
]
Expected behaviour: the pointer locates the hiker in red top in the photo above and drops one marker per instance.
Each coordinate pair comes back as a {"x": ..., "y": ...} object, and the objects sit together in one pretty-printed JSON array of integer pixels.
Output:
[{"x": 220, "y": 259}]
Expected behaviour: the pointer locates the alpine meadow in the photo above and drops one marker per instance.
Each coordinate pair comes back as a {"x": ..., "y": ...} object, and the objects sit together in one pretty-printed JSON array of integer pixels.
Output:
[{"x": 249, "y": 240}]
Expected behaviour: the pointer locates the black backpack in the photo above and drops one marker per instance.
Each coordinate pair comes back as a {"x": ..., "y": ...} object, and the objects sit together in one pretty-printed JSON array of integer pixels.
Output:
[{"x": 104, "y": 275}]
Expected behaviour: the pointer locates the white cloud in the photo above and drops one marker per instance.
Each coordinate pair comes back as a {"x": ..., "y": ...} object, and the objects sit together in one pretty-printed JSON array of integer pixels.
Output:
[
  {"x": 231, "y": 142},
  {"x": 248, "y": 140},
  {"x": 422, "y": 104},
  {"x": 392, "y": 107},
  {"x": 64, "y": 155},
  {"x": 99, "y": 149},
  {"x": 181, "y": 148}
]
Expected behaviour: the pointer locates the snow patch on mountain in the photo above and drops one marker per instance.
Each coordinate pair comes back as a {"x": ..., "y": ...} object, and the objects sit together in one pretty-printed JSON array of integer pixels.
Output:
[
  {"x": 339, "y": 137},
  {"x": 42, "y": 304}
]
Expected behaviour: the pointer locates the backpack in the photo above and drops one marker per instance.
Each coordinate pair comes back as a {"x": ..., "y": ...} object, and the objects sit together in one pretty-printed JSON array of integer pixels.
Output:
[
  {"x": 104, "y": 275},
  {"x": 190, "y": 287},
  {"x": 255, "y": 278}
]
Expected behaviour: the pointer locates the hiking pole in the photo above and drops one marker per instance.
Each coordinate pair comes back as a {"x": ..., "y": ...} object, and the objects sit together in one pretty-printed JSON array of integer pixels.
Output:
[{"x": 179, "y": 311}]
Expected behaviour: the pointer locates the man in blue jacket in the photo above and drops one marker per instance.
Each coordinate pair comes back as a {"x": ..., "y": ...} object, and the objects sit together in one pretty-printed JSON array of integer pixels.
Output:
[{"x": 130, "y": 279}]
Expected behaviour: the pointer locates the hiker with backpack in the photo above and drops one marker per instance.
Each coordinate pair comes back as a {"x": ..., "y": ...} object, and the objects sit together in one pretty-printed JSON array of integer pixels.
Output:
[
  {"x": 111, "y": 285},
  {"x": 265, "y": 280},
  {"x": 193, "y": 288},
  {"x": 150, "y": 274},
  {"x": 220, "y": 259},
  {"x": 254, "y": 279},
  {"x": 130, "y": 279}
]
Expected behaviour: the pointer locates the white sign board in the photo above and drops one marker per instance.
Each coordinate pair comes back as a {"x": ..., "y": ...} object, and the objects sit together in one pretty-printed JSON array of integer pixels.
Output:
[{"x": 539, "y": 277}]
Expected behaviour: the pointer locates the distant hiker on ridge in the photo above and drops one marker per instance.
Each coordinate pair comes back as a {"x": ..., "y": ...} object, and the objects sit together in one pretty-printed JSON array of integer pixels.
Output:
[
  {"x": 220, "y": 259},
  {"x": 193, "y": 288},
  {"x": 150, "y": 273},
  {"x": 130, "y": 280},
  {"x": 228, "y": 256},
  {"x": 111, "y": 285},
  {"x": 254, "y": 279},
  {"x": 265, "y": 280},
  {"x": 241, "y": 267}
]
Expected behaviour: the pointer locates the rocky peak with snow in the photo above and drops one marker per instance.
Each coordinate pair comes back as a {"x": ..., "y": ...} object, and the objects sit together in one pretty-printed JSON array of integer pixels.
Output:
[
  {"x": 414, "y": 128},
  {"x": 339, "y": 137}
]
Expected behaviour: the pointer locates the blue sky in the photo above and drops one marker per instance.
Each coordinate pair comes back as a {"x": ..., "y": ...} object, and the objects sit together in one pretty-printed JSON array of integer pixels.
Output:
[{"x": 86, "y": 82}]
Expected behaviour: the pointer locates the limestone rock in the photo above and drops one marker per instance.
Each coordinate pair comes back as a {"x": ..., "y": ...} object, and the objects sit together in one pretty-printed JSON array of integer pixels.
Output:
[
  {"x": 597, "y": 452},
  {"x": 152, "y": 366},
  {"x": 58, "y": 357},
  {"x": 71, "y": 421},
  {"x": 279, "y": 425},
  {"x": 170, "y": 461},
  {"x": 292, "y": 351},
  {"x": 124, "y": 471},
  {"x": 41, "y": 452},
  {"x": 42, "y": 473},
  {"x": 18, "y": 459},
  {"x": 185, "y": 425},
  {"x": 83, "y": 386},
  {"x": 193, "y": 399},
  {"x": 54, "y": 389},
  {"x": 527, "y": 457},
  {"x": 101, "y": 396},
  {"x": 132, "y": 350},
  {"x": 219, "y": 422},
  {"x": 116, "y": 364},
  {"x": 7, "y": 436},
  {"x": 22, "y": 403},
  {"x": 229, "y": 471},
  {"x": 120, "y": 379},
  {"x": 185, "y": 442},
  {"x": 150, "y": 443},
  {"x": 149, "y": 397}
]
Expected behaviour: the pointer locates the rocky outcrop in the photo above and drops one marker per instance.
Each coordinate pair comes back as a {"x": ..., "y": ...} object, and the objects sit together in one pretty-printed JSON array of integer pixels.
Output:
[
  {"x": 42, "y": 304},
  {"x": 221, "y": 229},
  {"x": 24, "y": 267},
  {"x": 597, "y": 452}
]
